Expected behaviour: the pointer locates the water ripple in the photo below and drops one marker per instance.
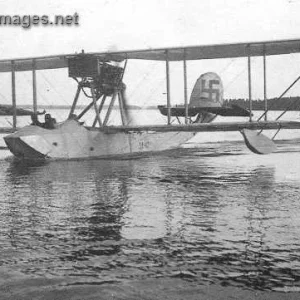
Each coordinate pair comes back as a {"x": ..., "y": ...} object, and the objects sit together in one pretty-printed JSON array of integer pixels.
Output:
[{"x": 223, "y": 218}]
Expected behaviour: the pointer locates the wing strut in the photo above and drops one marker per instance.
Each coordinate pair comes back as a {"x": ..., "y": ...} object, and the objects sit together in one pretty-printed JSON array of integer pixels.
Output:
[
  {"x": 34, "y": 86},
  {"x": 13, "y": 92},
  {"x": 265, "y": 85},
  {"x": 256, "y": 141},
  {"x": 168, "y": 87},
  {"x": 186, "y": 105},
  {"x": 296, "y": 80},
  {"x": 250, "y": 88}
]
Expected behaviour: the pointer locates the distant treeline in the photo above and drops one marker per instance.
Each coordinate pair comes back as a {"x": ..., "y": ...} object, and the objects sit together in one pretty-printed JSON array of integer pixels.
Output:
[
  {"x": 292, "y": 103},
  {"x": 43, "y": 106}
]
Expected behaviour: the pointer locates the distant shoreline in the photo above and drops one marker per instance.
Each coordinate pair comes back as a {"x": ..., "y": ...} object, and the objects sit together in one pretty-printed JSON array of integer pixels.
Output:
[{"x": 274, "y": 104}]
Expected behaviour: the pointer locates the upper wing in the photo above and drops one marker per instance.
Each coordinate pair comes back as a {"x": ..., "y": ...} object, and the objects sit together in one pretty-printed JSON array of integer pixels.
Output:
[
  {"x": 173, "y": 54},
  {"x": 219, "y": 51},
  {"x": 38, "y": 63}
]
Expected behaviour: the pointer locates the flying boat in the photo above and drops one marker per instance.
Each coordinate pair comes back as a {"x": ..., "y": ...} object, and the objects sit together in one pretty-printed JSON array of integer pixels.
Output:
[{"x": 99, "y": 76}]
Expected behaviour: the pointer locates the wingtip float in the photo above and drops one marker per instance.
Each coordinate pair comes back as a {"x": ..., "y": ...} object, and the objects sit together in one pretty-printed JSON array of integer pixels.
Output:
[{"x": 257, "y": 142}]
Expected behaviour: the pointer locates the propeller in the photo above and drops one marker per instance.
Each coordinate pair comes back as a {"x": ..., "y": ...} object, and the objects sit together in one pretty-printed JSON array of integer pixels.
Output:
[
  {"x": 123, "y": 100},
  {"x": 128, "y": 118}
]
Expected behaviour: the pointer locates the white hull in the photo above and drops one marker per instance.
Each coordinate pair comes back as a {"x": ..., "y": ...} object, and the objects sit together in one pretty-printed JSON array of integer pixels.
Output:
[{"x": 70, "y": 140}]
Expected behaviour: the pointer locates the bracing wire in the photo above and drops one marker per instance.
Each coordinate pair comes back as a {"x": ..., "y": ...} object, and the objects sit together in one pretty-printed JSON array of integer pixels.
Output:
[
  {"x": 3, "y": 97},
  {"x": 52, "y": 87},
  {"x": 272, "y": 105},
  {"x": 41, "y": 95},
  {"x": 29, "y": 81},
  {"x": 287, "y": 108},
  {"x": 234, "y": 78},
  {"x": 227, "y": 66}
]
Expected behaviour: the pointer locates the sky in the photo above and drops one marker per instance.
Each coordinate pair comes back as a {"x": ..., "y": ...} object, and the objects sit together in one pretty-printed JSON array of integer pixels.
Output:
[{"x": 139, "y": 24}]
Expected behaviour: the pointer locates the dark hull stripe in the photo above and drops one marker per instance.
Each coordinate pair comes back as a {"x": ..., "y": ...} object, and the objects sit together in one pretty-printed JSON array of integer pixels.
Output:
[{"x": 21, "y": 150}]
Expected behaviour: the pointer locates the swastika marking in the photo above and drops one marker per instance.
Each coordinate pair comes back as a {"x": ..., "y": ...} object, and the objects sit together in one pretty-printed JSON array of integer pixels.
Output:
[{"x": 211, "y": 90}]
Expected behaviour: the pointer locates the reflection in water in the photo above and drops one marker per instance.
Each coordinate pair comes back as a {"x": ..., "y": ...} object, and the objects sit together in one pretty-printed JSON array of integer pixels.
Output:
[{"x": 221, "y": 218}]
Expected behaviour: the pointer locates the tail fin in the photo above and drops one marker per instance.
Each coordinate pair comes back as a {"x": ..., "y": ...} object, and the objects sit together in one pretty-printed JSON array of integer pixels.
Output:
[{"x": 207, "y": 91}]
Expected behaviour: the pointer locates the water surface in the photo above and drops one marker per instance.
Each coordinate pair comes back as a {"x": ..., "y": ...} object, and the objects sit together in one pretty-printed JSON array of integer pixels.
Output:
[{"x": 216, "y": 214}]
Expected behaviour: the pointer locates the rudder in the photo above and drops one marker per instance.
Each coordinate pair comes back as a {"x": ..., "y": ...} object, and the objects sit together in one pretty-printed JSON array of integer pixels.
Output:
[{"x": 207, "y": 91}]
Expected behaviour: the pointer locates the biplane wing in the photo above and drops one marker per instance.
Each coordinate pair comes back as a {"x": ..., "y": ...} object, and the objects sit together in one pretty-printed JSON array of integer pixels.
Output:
[
  {"x": 101, "y": 88},
  {"x": 205, "y": 127},
  {"x": 161, "y": 54}
]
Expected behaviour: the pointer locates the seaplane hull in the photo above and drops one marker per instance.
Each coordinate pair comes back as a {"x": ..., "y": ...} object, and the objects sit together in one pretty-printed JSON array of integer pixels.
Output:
[{"x": 70, "y": 140}]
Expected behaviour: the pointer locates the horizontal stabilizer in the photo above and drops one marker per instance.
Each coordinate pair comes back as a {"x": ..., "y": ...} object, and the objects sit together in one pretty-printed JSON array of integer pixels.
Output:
[
  {"x": 8, "y": 110},
  {"x": 227, "y": 111}
]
